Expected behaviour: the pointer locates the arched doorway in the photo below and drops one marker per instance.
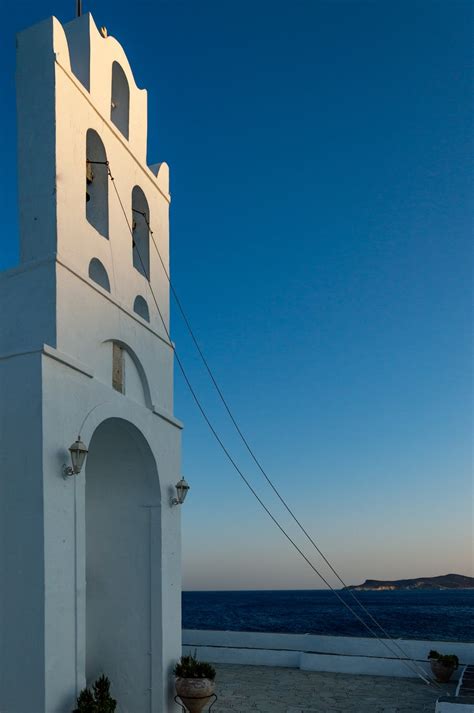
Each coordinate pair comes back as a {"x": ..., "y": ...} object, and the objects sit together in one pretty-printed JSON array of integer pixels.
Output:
[{"x": 122, "y": 563}]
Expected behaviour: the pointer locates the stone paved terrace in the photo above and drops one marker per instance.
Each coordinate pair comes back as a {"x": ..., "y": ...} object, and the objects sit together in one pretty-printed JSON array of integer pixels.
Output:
[{"x": 265, "y": 689}]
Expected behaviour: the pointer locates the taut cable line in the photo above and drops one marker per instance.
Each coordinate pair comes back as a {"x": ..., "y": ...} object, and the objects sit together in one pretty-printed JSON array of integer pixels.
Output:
[
  {"x": 254, "y": 457},
  {"x": 408, "y": 661}
]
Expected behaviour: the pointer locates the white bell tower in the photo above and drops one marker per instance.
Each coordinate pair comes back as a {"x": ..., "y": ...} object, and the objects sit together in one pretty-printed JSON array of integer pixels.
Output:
[{"x": 90, "y": 578}]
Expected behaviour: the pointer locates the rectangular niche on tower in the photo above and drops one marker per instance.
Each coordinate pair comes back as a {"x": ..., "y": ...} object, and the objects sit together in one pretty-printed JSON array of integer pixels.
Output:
[{"x": 118, "y": 368}]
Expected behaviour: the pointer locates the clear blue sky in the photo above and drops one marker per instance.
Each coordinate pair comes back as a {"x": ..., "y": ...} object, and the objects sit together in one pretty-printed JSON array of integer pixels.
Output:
[{"x": 321, "y": 241}]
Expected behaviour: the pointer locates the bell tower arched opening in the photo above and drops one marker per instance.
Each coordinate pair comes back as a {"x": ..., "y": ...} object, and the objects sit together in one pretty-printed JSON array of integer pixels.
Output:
[
  {"x": 97, "y": 186},
  {"x": 141, "y": 233},
  {"x": 120, "y": 103}
]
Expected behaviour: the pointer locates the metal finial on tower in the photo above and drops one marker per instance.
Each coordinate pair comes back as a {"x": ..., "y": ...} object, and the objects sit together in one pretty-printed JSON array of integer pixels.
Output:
[{"x": 78, "y": 8}]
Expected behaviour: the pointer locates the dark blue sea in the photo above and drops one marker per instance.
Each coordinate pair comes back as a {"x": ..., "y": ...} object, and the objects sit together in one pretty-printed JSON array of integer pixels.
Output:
[{"x": 432, "y": 615}]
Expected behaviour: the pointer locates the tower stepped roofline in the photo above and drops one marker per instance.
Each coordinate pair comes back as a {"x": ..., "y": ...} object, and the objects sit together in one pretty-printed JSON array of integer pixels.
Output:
[{"x": 87, "y": 56}]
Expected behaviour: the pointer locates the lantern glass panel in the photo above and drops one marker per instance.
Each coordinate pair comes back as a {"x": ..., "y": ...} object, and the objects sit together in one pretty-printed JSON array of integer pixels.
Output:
[
  {"x": 78, "y": 455},
  {"x": 182, "y": 489}
]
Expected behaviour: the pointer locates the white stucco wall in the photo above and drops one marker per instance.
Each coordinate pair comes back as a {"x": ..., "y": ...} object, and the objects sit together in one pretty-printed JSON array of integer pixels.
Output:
[
  {"x": 65, "y": 535},
  {"x": 56, "y": 334},
  {"x": 28, "y": 299},
  {"x": 311, "y": 652},
  {"x": 21, "y": 535}
]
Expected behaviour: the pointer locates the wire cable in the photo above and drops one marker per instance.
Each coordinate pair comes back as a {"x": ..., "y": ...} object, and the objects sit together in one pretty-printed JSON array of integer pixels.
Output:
[
  {"x": 384, "y": 643},
  {"x": 252, "y": 452}
]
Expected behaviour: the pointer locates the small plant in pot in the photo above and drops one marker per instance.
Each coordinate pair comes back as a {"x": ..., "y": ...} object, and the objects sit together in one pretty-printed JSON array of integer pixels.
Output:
[
  {"x": 97, "y": 700},
  {"x": 442, "y": 665},
  {"x": 194, "y": 682}
]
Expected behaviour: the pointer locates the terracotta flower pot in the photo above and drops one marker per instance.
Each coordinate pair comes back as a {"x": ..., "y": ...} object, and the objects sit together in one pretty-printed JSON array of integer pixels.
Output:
[
  {"x": 194, "y": 692},
  {"x": 441, "y": 672}
]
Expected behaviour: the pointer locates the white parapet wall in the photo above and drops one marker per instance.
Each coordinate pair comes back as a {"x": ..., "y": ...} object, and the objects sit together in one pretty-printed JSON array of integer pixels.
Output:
[
  {"x": 463, "y": 701},
  {"x": 311, "y": 652},
  {"x": 454, "y": 705}
]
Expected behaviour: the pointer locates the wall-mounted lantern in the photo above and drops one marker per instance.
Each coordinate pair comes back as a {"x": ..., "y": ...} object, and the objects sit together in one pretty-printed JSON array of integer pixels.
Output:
[
  {"x": 182, "y": 488},
  {"x": 78, "y": 452}
]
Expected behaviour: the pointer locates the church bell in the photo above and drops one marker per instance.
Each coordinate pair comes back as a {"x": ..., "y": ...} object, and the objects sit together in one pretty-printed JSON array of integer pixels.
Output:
[{"x": 89, "y": 179}]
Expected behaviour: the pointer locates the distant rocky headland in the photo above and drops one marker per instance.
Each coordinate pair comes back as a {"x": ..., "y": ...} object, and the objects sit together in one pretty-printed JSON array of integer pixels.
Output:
[{"x": 446, "y": 581}]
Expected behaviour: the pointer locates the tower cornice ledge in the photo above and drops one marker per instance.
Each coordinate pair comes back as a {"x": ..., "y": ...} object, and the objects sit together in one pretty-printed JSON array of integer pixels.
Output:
[
  {"x": 161, "y": 413},
  {"x": 53, "y": 354}
]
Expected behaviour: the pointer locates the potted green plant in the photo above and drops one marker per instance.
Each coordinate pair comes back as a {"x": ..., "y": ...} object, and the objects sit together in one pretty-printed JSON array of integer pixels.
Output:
[
  {"x": 98, "y": 700},
  {"x": 442, "y": 665},
  {"x": 194, "y": 682}
]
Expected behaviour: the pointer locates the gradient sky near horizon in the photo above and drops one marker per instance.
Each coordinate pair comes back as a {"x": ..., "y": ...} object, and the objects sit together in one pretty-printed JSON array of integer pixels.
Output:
[{"x": 321, "y": 229}]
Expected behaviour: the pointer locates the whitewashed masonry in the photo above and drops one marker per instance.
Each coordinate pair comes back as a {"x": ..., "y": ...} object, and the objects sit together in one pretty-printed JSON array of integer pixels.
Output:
[{"x": 89, "y": 565}]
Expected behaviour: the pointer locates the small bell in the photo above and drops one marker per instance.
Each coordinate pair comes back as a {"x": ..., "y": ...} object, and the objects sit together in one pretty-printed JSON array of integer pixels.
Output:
[
  {"x": 89, "y": 179},
  {"x": 89, "y": 172}
]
